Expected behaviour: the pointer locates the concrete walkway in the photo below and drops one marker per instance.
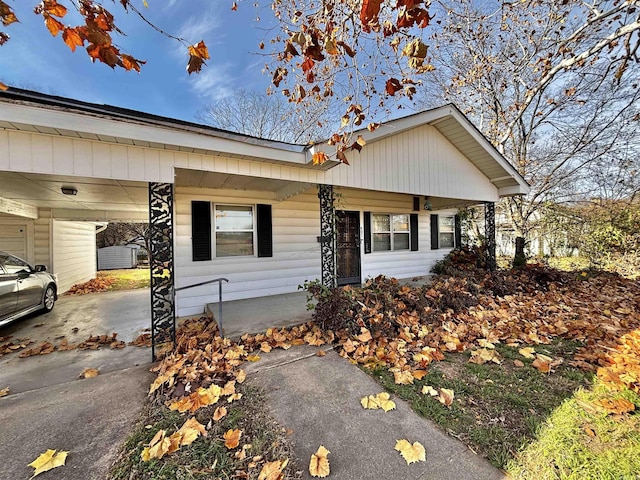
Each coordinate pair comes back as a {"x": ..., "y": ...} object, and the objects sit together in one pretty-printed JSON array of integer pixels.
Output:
[
  {"x": 319, "y": 399},
  {"x": 88, "y": 418}
]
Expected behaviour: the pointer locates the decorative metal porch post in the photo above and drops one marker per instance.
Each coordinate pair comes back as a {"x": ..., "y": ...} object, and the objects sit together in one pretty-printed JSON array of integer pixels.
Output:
[
  {"x": 327, "y": 235},
  {"x": 490, "y": 233},
  {"x": 163, "y": 319}
]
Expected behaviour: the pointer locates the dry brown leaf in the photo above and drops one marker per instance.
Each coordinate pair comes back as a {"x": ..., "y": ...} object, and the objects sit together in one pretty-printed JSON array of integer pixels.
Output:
[
  {"x": 527, "y": 352},
  {"x": 89, "y": 373},
  {"x": 404, "y": 377},
  {"x": 273, "y": 470},
  {"x": 219, "y": 413},
  {"x": 232, "y": 438},
  {"x": 446, "y": 397},
  {"x": 321, "y": 353},
  {"x": 319, "y": 463},
  {"x": 4, "y": 392}
]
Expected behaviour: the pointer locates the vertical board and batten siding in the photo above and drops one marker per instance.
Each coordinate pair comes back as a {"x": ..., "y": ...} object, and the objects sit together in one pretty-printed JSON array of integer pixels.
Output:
[
  {"x": 30, "y": 152},
  {"x": 73, "y": 252},
  {"x": 296, "y": 251},
  {"x": 399, "y": 264}
]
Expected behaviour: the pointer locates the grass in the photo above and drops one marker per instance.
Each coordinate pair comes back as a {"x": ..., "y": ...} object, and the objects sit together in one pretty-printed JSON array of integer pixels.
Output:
[
  {"x": 126, "y": 279},
  {"x": 207, "y": 457},
  {"x": 580, "y": 443},
  {"x": 498, "y": 409}
]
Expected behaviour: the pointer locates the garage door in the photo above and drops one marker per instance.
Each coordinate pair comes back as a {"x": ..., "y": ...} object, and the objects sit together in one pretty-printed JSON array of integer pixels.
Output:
[{"x": 13, "y": 239}]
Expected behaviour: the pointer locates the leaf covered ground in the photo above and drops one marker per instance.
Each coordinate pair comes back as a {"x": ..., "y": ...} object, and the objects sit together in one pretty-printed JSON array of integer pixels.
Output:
[{"x": 491, "y": 357}]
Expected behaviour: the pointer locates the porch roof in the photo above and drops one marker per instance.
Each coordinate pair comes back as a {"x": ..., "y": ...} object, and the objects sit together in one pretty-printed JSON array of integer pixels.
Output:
[{"x": 36, "y": 112}]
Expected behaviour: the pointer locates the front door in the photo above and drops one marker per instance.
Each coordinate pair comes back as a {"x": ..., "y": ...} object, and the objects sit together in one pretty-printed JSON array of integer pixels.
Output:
[{"x": 348, "y": 247}]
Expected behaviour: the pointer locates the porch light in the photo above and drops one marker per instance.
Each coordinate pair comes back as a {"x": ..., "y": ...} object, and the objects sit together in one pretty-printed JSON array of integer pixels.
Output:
[
  {"x": 427, "y": 204},
  {"x": 69, "y": 190}
]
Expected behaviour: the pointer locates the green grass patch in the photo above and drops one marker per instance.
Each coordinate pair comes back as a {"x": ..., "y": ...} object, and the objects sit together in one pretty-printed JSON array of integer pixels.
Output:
[
  {"x": 126, "y": 279},
  {"x": 498, "y": 409},
  {"x": 207, "y": 457},
  {"x": 578, "y": 443}
]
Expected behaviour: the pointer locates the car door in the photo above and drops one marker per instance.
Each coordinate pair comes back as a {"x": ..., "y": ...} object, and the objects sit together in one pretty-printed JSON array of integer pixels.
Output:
[
  {"x": 30, "y": 286},
  {"x": 8, "y": 293}
]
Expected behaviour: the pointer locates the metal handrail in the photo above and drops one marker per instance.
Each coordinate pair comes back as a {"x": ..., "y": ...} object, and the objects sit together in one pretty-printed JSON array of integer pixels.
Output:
[{"x": 219, "y": 280}]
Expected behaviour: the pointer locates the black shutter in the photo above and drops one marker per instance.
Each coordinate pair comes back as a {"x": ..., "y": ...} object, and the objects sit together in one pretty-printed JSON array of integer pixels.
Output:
[
  {"x": 265, "y": 237},
  {"x": 458, "y": 234},
  {"x": 201, "y": 231},
  {"x": 416, "y": 204},
  {"x": 367, "y": 232},
  {"x": 413, "y": 228},
  {"x": 434, "y": 232}
]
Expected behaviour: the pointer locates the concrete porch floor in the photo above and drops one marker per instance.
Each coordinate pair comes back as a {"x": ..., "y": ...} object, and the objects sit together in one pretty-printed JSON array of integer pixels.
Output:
[{"x": 254, "y": 315}]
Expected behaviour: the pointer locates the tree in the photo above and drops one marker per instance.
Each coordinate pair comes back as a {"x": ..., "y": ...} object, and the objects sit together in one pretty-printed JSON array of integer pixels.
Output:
[
  {"x": 552, "y": 84},
  {"x": 266, "y": 116},
  {"x": 373, "y": 54},
  {"x": 124, "y": 234}
]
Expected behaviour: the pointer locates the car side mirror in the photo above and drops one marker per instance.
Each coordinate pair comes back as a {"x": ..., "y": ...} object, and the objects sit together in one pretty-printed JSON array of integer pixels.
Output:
[{"x": 40, "y": 268}]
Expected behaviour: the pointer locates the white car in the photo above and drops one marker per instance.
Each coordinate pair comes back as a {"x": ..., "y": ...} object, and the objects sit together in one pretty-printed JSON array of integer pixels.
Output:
[{"x": 24, "y": 289}]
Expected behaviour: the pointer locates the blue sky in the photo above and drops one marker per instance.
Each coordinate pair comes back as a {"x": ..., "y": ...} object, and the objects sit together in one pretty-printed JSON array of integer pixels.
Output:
[{"x": 33, "y": 59}]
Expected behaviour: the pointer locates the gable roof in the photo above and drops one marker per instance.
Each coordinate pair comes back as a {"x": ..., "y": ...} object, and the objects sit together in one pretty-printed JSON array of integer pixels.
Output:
[{"x": 28, "y": 110}]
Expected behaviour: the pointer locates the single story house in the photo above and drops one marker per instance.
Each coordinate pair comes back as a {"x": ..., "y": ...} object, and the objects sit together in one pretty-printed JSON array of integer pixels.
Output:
[{"x": 220, "y": 204}]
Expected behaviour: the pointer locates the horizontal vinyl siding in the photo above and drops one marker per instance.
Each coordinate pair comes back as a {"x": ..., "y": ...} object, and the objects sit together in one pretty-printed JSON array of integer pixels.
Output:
[
  {"x": 400, "y": 264},
  {"x": 296, "y": 252},
  {"x": 42, "y": 242},
  {"x": 74, "y": 253}
]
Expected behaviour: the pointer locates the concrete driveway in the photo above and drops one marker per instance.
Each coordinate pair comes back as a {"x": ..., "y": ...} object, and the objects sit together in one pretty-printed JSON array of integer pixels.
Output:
[{"x": 75, "y": 318}]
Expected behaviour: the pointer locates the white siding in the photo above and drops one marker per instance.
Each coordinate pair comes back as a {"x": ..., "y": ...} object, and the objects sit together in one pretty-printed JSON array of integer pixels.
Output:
[
  {"x": 16, "y": 236},
  {"x": 296, "y": 251},
  {"x": 74, "y": 253},
  {"x": 400, "y": 264},
  {"x": 42, "y": 243},
  {"x": 419, "y": 161},
  {"x": 29, "y": 152}
]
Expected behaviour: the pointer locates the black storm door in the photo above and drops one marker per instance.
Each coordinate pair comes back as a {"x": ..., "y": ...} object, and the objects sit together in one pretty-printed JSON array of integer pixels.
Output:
[{"x": 348, "y": 247}]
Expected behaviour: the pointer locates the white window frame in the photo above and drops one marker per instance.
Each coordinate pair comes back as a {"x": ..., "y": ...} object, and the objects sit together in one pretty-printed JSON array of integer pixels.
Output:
[
  {"x": 254, "y": 240},
  {"x": 390, "y": 232},
  {"x": 452, "y": 232}
]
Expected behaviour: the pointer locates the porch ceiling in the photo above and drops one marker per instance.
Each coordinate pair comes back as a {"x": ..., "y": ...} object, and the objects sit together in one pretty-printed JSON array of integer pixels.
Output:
[
  {"x": 95, "y": 194},
  {"x": 202, "y": 179}
]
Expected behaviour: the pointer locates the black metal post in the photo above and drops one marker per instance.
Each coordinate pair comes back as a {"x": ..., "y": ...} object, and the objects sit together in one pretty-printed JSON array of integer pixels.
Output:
[
  {"x": 327, "y": 235},
  {"x": 163, "y": 318},
  {"x": 490, "y": 233}
]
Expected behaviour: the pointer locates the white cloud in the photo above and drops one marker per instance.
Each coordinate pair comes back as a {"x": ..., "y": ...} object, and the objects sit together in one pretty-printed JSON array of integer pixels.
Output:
[{"x": 213, "y": 82}]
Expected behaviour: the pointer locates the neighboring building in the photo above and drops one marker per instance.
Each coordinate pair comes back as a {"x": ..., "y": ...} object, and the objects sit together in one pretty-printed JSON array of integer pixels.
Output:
[
  {"x": 118, "y": 256},
  {"x": 229, "y": 205}
]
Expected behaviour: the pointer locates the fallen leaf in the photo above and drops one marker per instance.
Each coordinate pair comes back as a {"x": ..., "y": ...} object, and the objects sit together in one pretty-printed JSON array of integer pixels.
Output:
[
  {"x": 189, "y": 432},
  {"x": 541, "y": 365},
  {"x": 241, "y": 376},
  {"x": 404, "y": 377},
  {"x": 419, "y": 374},
  {"x": 411, "y": 453},
  {"x": 429, "y": 390},
  {"x": 319, "y": 464},
  {"x": 232, "y": 438},
  {"x": 518, "y": 363},
  {"x": 446, "y": 397},
  {"x": 219, "y": 413},
  {"x": 527, "y": 352},
  {"x": 615, "y": 405},
  {"x": 89, "y": 373},
  {"x": 48, "y": 460},
  {"x": 321, "y": 353},
  {"x": 273, "y": 470},
  {"x": 253, "y": 358},
  {"x": 4, "y": 392},
  {"x": 384, "y": 401},
  {"x": 370, "y": 402}
]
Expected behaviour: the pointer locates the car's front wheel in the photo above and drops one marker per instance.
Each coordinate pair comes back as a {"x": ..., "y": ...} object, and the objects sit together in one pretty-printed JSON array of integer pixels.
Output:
[{"x": 49, "y": 298}]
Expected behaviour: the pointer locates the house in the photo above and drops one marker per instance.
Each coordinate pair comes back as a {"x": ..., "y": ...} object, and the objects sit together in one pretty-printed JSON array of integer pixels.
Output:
[{"x": 258, "y": 212}]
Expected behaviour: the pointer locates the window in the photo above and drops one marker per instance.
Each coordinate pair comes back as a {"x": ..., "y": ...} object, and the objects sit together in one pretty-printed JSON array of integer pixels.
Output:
[
  {"x": 234, "y": 227},
  {"x": 15, "y": 265},
  {"x": 447, "y": 230},
  {"x": 390, "y": 232}
]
